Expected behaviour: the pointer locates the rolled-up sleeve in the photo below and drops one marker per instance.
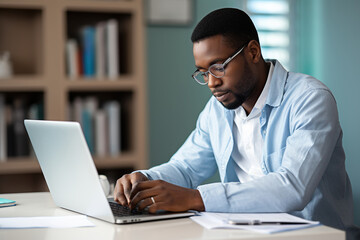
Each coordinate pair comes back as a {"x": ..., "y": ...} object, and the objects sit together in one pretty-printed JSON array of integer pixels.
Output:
[{"x": 194, "y": 162}]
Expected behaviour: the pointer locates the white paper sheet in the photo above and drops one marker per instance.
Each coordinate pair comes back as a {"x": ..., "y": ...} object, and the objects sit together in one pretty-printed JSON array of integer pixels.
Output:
[
  {"x": 220, "y": 220},
  {"x": 46, "y": 222}
]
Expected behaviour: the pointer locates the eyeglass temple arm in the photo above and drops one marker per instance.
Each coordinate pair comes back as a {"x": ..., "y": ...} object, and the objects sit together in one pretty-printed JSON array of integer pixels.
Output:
[{"x": 231, "y": 58}]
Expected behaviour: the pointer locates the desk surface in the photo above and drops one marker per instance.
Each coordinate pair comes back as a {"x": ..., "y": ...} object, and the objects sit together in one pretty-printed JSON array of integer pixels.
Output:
[{"x": 41, "y": 204}]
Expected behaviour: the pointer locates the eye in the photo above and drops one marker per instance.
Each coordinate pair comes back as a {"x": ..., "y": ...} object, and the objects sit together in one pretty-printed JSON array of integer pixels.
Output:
[
  {"x": 216, "y": 68},
  {"x": 204, "y": 74}
]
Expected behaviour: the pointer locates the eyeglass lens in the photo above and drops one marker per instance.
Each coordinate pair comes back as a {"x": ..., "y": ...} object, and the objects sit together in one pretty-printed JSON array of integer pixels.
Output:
[{"x": 217, "y": 70}]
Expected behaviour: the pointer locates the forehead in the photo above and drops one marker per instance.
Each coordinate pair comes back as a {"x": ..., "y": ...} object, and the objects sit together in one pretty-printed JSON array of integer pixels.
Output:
[{"x": 211, "y": 49}]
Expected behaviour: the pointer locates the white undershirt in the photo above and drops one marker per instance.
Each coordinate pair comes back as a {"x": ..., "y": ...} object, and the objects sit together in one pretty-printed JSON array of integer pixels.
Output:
[{"x": 248, "y": 143}]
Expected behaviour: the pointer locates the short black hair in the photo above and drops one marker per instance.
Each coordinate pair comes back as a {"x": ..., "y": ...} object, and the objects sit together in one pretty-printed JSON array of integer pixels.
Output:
[{"x": 232, "y": 23}]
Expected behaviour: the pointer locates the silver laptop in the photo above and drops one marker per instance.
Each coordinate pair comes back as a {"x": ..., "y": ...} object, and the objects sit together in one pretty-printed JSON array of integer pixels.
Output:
[{"x": 71, "y": 175}]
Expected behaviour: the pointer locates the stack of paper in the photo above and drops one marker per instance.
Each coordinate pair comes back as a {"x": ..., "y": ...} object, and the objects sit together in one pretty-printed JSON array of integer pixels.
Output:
[
  {"x": 45, "y": 222},
  {"x": 263, "y": 223}
]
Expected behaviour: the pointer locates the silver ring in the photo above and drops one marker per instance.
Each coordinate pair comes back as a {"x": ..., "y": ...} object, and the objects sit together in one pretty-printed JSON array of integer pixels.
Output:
[{"x": 153, "y": 200}]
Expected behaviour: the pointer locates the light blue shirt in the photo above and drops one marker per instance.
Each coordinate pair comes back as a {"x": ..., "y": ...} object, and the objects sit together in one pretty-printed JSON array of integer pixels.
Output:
[{"x": 303, "y": 158}]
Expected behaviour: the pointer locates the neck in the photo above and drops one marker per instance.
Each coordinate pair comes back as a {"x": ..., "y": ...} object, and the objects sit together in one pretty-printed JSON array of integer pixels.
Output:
[{"x": 263, "y": 71}]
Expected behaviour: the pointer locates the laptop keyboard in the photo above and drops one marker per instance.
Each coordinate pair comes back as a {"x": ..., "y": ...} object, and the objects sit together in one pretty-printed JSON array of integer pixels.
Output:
[{"x": 123, "y": 211}]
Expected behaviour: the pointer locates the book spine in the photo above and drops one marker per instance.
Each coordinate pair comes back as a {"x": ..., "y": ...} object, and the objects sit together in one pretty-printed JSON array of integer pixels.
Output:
[
  {"x": 88, "y": 38},
  {"x": 90, "y": 108},
  {"x": 113, "y": 112},
  {"x": 100, "y": 133},
  {"x": 101, "y": 126},
  {"x": 21, "y": 144},
  {"x": 34, "y": 112},
  {"x": 3, "y": 132},
  {"x": 72, "y": 61},
  {"x": 77, "y": 110},
  {"x": 10, "y": 137},
  {"x": 87, "y": 128},
  {"x": 112, "y": 38},
  {"x": 80, "y": 64},
  {"x": 100, "y": 50}
]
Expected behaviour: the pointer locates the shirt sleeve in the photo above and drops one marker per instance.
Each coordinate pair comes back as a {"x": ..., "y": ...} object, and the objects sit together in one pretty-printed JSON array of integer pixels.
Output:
[
  {"x": 194, "y": 162},
  {"x": 314, "y": 134}
]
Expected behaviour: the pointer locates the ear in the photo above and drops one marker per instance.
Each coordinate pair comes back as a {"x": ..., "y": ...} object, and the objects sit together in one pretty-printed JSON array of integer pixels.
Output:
[{"x": 254, "y": 51}]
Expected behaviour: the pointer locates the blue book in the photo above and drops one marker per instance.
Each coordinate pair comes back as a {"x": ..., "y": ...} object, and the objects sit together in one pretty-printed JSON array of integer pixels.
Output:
[
  {"x": 88, "y": 46},
  {"x": 6, "y": 202}
]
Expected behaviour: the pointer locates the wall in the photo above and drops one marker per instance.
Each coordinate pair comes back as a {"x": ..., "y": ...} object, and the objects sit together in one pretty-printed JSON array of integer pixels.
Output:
[
  {"x": 330, "y": 51},
  {"x": 328, "y": 39},
  {"x": 175, "y": 99}
]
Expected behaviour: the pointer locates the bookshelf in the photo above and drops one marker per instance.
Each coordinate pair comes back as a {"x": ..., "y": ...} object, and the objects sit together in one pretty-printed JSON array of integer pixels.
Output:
[{"x": 36, "y": 33}]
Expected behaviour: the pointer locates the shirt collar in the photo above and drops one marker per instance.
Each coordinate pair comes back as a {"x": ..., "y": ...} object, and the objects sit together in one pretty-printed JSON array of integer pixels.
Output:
[
  {"x": 262, "y": 98},
  {"x": 260, "y": 103},
  {"x": 277, "y": 86}
]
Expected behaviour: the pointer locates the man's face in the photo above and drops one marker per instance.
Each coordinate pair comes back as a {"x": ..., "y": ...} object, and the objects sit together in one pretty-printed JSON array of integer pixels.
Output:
[{"x": 235, "y": 87}]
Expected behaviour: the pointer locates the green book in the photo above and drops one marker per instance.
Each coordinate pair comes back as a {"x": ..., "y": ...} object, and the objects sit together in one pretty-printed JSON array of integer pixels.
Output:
[{"x": 6, "y": 202}]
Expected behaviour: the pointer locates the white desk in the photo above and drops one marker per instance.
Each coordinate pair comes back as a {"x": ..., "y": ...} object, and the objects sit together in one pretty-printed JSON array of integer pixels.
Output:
[{"x": 41, "y": 204}]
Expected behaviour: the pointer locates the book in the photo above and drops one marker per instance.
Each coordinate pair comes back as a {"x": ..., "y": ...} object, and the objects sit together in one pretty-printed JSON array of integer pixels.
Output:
[
  {"x": 112, "y": 49},
  {"x": 71, "y": 59},
  {"x": 22, "y": 147},
  {"x": 101, "y": 124},
  {"x": 87, "y": 129},
  {"x": 80, "y": 62},
  {"x": 6, "y": 202},
  {"x": 90, "y": 107},
  {"x": 101, "y": 143},
  {"x": 88, "y": 48},
  {"x": 78, "y": 107},
  {"x": 3, "y": 133},
  {"x": 36, "y": 111},
  {"x": 112, "y": 109},
  {"x": 10, "y": 136},
  {"x": 100, "y": 46}
]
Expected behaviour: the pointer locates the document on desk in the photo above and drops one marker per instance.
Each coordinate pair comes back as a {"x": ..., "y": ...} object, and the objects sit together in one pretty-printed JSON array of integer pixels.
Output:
[
  {"x": 263, "y": 222},
  {"x": 46, "y": 222}
]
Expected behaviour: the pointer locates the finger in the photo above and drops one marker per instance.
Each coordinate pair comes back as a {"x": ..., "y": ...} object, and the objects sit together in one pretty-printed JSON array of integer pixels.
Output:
[
  {"x": 146, "y": 203},
  {"x": 139, "y": 197},
  {"x": 127, "y": 185},
  {"x": 119, "y": 193},
  {"x": 124, "y": 186},
  {"x": 140, "y": 186},
  {"x": 157, "y": 206},
  {"x": 142, "y": 195}
]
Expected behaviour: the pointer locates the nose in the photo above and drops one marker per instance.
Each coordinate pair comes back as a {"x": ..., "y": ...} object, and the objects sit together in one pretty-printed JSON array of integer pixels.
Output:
[{"x": 213, "y": 81}]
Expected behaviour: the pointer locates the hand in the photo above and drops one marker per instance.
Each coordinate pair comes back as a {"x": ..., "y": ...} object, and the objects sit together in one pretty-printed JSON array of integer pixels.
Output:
[
  {"x": 124, "y": 186},
  {"x": 161, "y": 195}
]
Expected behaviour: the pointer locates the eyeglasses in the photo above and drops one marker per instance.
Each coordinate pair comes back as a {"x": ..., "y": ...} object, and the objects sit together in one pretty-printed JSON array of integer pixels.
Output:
[{"x": 217, "y": 70}]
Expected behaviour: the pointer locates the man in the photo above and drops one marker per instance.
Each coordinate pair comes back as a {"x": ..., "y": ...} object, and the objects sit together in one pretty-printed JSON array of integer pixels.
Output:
[{"x": 274, "y": 136}]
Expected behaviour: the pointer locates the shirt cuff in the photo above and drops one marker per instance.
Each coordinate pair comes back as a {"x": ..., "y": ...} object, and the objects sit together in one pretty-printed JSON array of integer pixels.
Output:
[
  {"x": 145, "y": 172},
  {"x": 214, "y": 197}
]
